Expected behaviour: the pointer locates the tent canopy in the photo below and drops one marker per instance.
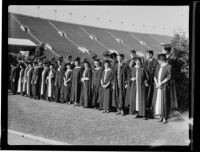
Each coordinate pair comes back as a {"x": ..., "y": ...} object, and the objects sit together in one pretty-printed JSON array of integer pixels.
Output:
[{"x": 21, "y": 42}]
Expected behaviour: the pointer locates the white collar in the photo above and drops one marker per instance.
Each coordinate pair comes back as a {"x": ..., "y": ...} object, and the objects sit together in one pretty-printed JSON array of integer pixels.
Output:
[
  {"x": 107, "y": 69},
  {"x": 97, "y": 68},
  {"x": 163, "y": 64},
  {"x": 77, "y": 67}
]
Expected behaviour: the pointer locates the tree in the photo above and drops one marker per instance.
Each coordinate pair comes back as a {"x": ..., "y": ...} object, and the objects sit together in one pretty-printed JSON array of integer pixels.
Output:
[{"x": 180, "y": 45}]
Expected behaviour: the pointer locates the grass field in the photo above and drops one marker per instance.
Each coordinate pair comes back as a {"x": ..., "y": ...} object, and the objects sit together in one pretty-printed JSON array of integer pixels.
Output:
[{"x": 80, "y": 126}]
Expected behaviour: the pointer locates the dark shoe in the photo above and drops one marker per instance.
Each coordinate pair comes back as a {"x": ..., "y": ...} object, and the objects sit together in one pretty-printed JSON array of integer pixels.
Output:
[
  {"x": 118, "y": 113},
  {"x": 104, "y": 111},
  {"x": 145, "y": 118},
  {"x": 107, "y": 111},
  {"x": 136, "y": 116},
  {"x": 160, "y": 120},
  {"x": 164, "y": 121}
]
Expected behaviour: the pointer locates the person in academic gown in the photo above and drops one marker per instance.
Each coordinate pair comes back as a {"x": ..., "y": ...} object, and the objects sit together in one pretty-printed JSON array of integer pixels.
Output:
[
  {"x": 35, "y": 74},
  {"x": 96, "y": 85},
  {"x": 67, "y": 83},
  {"x": 14, "y": 77},
  {"x": 139, "y": 81},
  {"x": 150, "y": 65},
  {"x": 106, "y": 84},
  {"x": 25, "y": 79},
  {"x": 76, "y": 82},
  {"x": 21, "y": 77},
  {"x": 86, "y": 85},
  {"x": 29, "y": 79},
  {"x": 59, "y": 81},
  {"x": 129, "y": 64},
  {"x": 114, "y": 61},
  {"x": 175, "y": 76},
  {"x": 50, "y": 83},
  {"x": 161, "y": 102},
  {"x": 70, "y": 60},
  {"x": 119, "y": 83},
  {"x": 43, "y": 89}
]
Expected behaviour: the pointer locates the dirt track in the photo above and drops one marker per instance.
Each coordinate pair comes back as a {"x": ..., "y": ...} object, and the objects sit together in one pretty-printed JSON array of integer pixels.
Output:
[{"x": 79, "y": 126}]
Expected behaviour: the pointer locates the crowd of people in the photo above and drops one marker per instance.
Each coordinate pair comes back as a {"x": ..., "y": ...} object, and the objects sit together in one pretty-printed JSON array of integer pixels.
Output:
[{"x": 143, "y": 87}]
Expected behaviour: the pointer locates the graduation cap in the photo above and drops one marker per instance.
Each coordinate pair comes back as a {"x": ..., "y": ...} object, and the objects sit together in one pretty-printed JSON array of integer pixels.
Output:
[
  {"x": 113, "y": 55},
  {"x": 77, "y": 59},
  {"x": 69, "y": 57},
  {"x": 94, "y": 56},
  {"x": 167, "y": 47},
  {"x": 132, "y": 51},
  {"x": 106, "y": 54},
  {"x": 150, "y": 51},
  {"x": 161, "y": 56},
  {"x": 121, "y": 55},
  {"x": 60, "y": 58}
]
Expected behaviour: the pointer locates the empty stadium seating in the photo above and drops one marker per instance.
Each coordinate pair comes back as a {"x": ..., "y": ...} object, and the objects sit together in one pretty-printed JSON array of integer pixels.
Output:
[{"x": 81, "y": 36}]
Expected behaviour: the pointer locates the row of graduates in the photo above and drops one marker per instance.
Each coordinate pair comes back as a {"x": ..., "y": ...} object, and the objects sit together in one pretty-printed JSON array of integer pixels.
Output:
[{"x": 141, "y": 86}]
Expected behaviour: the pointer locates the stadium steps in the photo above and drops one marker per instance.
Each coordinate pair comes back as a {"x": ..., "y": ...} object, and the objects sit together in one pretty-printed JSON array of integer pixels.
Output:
[
  {"x": 77, "y": 35},
  {"x": 47, "y": 33}
]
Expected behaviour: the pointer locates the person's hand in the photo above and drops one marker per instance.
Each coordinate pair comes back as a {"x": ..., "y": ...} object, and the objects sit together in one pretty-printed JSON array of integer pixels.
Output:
[
  {"x": 146, "y": 84},
  {"x": 126, "y": 85},
  {"x": 35, "y": 82},
  {"x": 158, "y": 85},
  {"x": 133, "y": 79},
  {"x": 113, "y": 87}
]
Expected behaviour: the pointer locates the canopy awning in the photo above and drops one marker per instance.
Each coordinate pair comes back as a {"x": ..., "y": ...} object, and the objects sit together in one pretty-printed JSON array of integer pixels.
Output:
[{"x": 21, "y": 42}]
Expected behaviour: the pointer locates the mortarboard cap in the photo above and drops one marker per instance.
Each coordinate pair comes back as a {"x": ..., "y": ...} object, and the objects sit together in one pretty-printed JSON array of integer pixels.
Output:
[
  {"x": 107, "y": 53},
  {"x": 161, "y": 56},
  {"x": 132, "y": 51},
  {"x": 150, "y": 51},
  {"x": 113, "y": 55}
]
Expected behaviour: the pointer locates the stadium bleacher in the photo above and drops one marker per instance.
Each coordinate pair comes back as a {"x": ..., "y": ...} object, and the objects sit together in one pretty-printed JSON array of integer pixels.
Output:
[{"x": 90, "y": 39}]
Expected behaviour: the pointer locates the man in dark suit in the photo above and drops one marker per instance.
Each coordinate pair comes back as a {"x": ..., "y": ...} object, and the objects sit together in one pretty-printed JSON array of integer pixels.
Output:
[
  {"x": 35, "y": 81},
  {"x": 150, "y": 65}
]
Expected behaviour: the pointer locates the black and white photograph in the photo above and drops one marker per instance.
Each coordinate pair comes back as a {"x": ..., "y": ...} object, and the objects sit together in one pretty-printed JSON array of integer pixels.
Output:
[{"x": 98, "y": 75}]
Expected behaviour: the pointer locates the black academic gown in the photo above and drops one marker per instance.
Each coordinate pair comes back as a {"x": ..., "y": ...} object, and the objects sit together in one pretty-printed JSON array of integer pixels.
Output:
[
  {"x": 107, "y": 92},
  {"x": 59, "y": 84},
  {"x": 119, "y": 92},
  {"x": 43, "y": 88},
  {"x": 67, "y": 88},
  {"x": 76, "y": 85},
  {"x": 150, "y": 66},
  {"x": 128, "y": 89},
  {"x": 29, "y": 81},
  {"x": 142, "y": 79},
  {"x": 165, "y": 94},
  {"x": 96, "y": 86},
  {"x": 171, "y": 85},
  {"x": 86, "y": 89},
  {"x": 14, "y": 77}
]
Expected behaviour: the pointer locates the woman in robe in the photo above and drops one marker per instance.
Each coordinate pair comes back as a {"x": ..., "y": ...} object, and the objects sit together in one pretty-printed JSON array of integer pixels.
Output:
[
  {"x": 138, "y": 97},
  {"x": 25, "y": 78},
  {"x": 29, "y": 80},
  {"x": 86, "y": 86},
  {"x": 76, "y": 82},
  {"x": 106, "y": 84},
  {"x": 43, "y": 90},
  {"x": 160, "y": 102},
  {"x": 21, "y": 77},
  {"x": 50, "y": 83},
  {"x": 67, "y": 83},
  {"x": 96, "y": 85}
]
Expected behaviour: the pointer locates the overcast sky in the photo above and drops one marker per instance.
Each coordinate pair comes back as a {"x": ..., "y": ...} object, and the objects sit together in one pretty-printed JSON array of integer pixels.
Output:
[{"x": 146, "y": 19}]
